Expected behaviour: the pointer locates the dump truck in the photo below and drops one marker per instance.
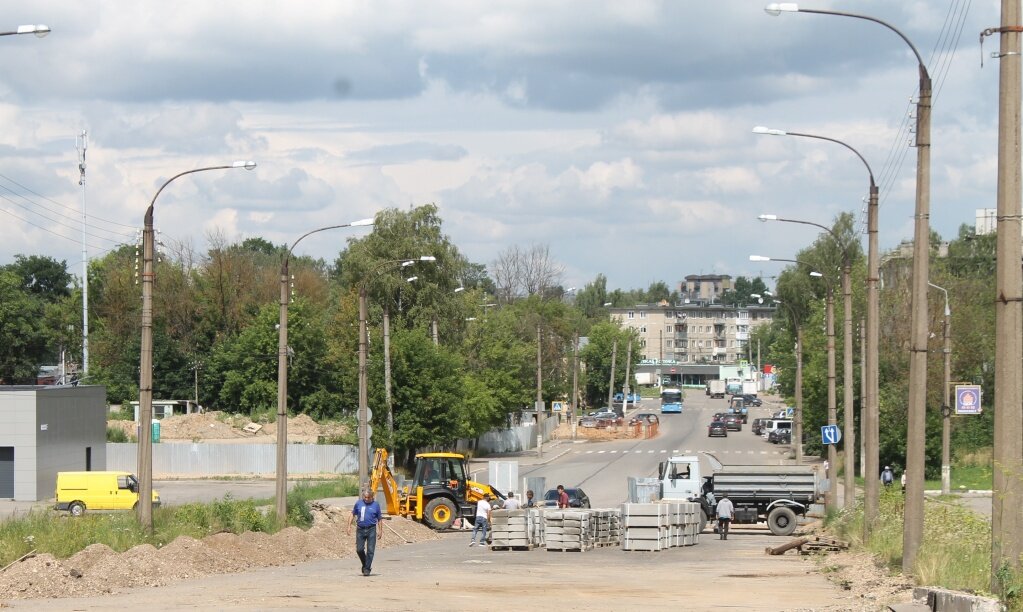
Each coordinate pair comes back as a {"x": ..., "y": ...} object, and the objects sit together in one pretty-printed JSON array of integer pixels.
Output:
[
  {"x": 775, "y": 494},
  {"x": 439, "y": 493},
  {"x": 737, "y": 405}
]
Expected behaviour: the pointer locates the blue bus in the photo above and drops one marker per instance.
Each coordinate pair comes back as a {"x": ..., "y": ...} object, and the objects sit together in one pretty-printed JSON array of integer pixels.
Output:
[{"x": 671, "y": 401}]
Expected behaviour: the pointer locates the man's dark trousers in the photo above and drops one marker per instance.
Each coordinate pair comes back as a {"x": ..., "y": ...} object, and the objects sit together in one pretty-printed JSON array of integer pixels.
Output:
[{"x": 365, "y": 546}]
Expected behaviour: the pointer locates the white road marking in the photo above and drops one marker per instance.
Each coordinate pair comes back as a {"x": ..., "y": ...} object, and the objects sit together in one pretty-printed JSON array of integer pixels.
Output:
[
  {"x": 614, "y": 451},
  {"x": 601, "y": 452},
  {"x": 663, "y": 451},
  {"x": 589, "y": 452}
]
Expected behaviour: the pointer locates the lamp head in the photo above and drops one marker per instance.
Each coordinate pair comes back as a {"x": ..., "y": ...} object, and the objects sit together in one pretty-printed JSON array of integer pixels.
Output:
[
  {"x": 766, "y": 218},
  {"x": 768, "y": 131},
  {"x": 427, "y": 258},
  {"x": 248, "y": 165},
  {"x": 361, "y": 222},
  {"x": 411, "y": 279},
  {"x": 759, "y": 258},
  {"x": 816, "y": 274},
  {"x": 459, "y": 289},
  {"x": 39, "y": 30},
  {"x": 777, "y": 8}
]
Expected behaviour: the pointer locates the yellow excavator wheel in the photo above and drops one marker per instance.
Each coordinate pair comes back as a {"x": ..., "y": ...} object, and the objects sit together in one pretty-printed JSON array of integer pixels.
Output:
[{"x": 440, "y": 513}]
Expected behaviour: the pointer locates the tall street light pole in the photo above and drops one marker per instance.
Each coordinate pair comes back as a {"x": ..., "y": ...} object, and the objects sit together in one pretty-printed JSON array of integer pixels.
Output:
[
  {"x": 829, "y": 319},
  {"x": 913, "y": 525},
  {"x": 946, "y": 407},
  {"x": 869, "y": 409},
  {"x": 282, "y": 371},
  {"x": 145, "y": 447},
  {"x": 363, "y": 414},
  {"x": 797, "y": 435},
  {"x": 1006, "y": 520}
]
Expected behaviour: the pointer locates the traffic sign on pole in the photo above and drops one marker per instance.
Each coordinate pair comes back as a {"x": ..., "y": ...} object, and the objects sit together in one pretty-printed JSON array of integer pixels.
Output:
[{"x": 831, "y": 434}]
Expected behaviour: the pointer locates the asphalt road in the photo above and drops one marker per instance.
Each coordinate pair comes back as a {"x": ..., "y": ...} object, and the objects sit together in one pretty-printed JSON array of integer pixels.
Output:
[{"x": 601, "y": 469}]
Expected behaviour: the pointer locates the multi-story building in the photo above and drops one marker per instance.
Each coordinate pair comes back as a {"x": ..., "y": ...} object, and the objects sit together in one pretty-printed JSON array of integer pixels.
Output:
[
  {"x": 706, "y": 287},
  {"x": 693, "y": 332}
]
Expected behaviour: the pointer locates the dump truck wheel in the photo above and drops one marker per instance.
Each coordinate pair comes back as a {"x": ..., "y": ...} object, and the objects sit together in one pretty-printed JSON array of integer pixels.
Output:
[
  {"x": 76, "y": 508},
  {"x": 782, "y": 521},
  {"x": 440, "y": 513}
]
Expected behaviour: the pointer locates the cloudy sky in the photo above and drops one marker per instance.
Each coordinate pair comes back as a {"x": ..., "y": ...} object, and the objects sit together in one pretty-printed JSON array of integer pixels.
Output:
[{"x": 618, "y": 133}]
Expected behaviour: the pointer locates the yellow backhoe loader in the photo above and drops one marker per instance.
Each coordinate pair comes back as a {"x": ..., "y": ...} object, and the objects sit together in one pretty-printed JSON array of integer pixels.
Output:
[{"x": 439, "y": 493}]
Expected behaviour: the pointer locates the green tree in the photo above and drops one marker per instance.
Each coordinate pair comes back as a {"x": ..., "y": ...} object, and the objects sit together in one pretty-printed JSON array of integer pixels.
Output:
[{"x": 22, "y": 337}]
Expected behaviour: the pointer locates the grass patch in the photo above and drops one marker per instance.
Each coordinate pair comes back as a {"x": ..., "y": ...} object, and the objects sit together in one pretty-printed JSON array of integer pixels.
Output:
[
  {"x": 61, "y": 535},
  {"x": 951, "y": 532}
]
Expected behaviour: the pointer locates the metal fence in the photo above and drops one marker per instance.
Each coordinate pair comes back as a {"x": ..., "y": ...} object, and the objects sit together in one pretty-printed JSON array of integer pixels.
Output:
[
  {"x": 218, "y": 459},
  {"x": 514, "y": 439}
]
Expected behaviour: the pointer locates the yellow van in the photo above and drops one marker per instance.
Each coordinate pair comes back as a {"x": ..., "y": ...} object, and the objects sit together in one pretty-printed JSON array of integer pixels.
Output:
[{"x": 78, "y": 491}]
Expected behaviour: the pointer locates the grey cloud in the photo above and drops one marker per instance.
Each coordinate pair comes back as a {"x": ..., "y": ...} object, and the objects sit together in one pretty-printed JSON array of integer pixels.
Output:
[{"x": 408, "y": 152}]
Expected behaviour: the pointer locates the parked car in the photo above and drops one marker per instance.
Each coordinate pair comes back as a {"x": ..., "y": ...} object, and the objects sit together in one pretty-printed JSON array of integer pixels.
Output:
[
  {"x": 758, "y": 426},
  {"x": 752, "y": 400},
  {"x": 576, "y": 498},
  {"x": 717, "y": 428},
  {"x": 607, "y": 419},
  {"x": 780, "y": 436},
  {"x": 644, "y": 417},
  {"x": 733, "y": 421},
  {"x": 587, "y": 421}
]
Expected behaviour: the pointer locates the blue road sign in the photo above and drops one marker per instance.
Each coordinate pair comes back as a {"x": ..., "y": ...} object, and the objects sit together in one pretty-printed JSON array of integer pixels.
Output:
[
  {"x": 831, "y": 434},
  {"x": 557, "y": 406}
]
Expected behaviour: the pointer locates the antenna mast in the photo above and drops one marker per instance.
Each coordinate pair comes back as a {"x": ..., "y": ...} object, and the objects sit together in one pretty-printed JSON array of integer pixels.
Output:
[{"x": 81, "y": 144}]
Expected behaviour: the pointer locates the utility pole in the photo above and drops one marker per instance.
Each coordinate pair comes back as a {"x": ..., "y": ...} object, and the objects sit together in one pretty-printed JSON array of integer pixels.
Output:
[
  {"x": 946, "y": 410},
  {"x": 625, "y": 386},
  {"x": 831, "y": 497},
  {"x": 863, "y": 400},
  {"x": 82, "y": 143},
  {"x": 387, "y": 379},
  {"x": 575, "y": 382},
  {"x": 797, "y": 435},
  {"x": 539, "y": 395},
  {"x": 1007, "y": 498},
  {"x": 611, "y": 385}
]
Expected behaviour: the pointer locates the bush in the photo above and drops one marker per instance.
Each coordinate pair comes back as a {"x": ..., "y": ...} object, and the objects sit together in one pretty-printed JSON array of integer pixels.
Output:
[{"x": 116, "y": 434}]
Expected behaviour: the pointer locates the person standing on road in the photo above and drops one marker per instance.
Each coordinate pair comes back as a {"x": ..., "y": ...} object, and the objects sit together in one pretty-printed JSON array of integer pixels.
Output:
[
  {"x": 366, "y": 514},
  {"x": 511, "y": 503},
  {"x": 903, "y": 482},
  {"x": 725, "y": 512},
  {"x": 482, "y": 520},
  {"x": 562, "y": 497}
]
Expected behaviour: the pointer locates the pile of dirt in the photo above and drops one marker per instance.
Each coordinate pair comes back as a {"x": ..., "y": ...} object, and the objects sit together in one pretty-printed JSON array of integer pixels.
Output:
[
  {"x": 98, "y": 570},
  {"x": 867, "y": 580},
  {"x": 621, "y": 432},
  {"x": 222, "y": 427}
]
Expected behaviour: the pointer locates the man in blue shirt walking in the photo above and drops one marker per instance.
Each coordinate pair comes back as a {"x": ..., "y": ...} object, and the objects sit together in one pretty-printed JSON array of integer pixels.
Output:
[{"x": 366, "y": 514}]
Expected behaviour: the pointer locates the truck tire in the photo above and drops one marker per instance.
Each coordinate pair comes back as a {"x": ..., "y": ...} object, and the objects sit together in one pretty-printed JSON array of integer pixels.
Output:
[
  {"x": 76, "y": 508},
  {"x": 440, "y": 513},
  {"x": 782, "y": 521}
]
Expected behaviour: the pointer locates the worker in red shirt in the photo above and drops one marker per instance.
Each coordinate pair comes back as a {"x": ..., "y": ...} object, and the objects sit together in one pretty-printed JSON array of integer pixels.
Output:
[{"x": 562, "y": 497}]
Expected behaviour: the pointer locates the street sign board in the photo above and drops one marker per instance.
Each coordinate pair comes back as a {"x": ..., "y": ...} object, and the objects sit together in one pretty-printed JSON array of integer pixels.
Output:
[
  {"x": 831, "y": 434},
  {"x": 968, "y": 399},
  {"x": 557, "y": 406}
]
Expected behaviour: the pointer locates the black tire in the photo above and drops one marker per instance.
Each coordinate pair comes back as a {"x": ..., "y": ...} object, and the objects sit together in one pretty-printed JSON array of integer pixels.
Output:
[
  {"x": 782, "y": 521},
  {"x": 440, "y": 513},
  {"x": 76, "y": 508}
]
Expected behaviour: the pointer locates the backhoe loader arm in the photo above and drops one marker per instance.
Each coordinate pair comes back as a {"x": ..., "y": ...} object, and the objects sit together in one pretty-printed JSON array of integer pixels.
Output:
[{"x": 381, "y": 477}]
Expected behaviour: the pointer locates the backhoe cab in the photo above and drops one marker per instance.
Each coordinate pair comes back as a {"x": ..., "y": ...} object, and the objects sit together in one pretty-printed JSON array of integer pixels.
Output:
[{"x": 439, "y": 493}]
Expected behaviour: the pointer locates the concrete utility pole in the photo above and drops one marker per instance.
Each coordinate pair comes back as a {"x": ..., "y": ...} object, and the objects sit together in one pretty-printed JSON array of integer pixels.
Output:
[
  {"x": 830, "y": 497},
  {"x": 625, "y": 386},
  {"x": 575, "y": 383},
  {"x": 539, "y": 395},
  {"x": 83, "y": 144},
  {"x": 797, "y": 434},
  {"x": 611, "y": 385},
  {"x": 863, "y": 395},
  {"x": 387, "y": 377},
  {"x": 1006, "y": 519}
]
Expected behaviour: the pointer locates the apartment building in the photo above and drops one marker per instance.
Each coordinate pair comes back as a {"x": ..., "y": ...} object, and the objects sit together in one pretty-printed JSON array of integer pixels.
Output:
[
  {"x": 692, "y": 332},
  {"x": 705, "y": 287}
]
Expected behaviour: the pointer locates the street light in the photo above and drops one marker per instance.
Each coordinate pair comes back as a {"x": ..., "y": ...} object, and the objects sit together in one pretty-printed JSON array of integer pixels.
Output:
[
  {"x": 798, "y": 433},
  {"x": 363, "y": 415},
  {"x": 913, "y": 524},
  {"x": 946, "y": 408},
  {"x": 282, "y": 371},
  {"x": 849, "y": 430},
  {"x": 39, "y": 30},
  {"x": 145, "y": 448},
  {"x": 832, "y": 410}
]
